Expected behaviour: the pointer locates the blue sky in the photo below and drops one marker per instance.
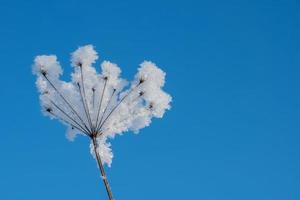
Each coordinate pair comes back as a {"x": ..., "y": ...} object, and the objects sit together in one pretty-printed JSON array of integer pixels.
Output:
[{"x": 232, "y": 69}]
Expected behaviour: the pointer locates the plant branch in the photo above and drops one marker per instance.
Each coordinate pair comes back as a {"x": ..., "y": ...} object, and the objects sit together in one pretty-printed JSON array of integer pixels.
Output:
[
  {"x": 84, "y": 99},
  {"x": 100, "y": 102},
  {"x": 107, "y": 105},
  {"x": 102, "y": 171}
]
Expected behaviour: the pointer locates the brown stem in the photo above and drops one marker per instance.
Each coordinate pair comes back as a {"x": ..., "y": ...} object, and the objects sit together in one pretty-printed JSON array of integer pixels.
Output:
[{"x": 102, "y": 171}]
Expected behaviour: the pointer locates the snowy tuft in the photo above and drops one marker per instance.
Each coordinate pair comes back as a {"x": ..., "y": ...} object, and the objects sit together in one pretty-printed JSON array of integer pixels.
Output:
[{"x": 100, "y": 106}]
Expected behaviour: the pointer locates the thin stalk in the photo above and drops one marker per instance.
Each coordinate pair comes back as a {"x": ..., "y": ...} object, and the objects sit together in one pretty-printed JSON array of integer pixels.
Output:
[
  {"x": 93, "y": 89},
  {"x": 102, "y": 171},
  {"x": 100, "y": 103},
  {"x": 85, "y": 99},
  {"x": 84, "y": 107},
  {"x": 107, "y": 105}
]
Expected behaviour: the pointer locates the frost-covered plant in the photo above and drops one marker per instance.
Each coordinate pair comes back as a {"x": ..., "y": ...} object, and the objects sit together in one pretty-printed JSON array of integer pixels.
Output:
[{"x": 100, "y": 106}]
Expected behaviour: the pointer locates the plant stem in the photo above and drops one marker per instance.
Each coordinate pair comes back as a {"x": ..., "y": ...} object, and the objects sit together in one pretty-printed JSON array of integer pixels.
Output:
[{"x": 102, "y": 171}]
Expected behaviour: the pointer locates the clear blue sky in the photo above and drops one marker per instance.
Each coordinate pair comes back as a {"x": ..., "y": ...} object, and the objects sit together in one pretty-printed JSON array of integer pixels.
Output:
[{"x": 232, "y": 69}]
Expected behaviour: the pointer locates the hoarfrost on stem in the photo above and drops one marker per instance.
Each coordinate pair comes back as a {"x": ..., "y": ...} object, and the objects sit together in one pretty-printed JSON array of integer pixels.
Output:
[{"x": 100, "y": 106}]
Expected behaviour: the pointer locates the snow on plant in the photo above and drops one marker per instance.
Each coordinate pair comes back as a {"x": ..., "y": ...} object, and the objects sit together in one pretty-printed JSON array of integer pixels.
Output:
[{"x": 100, "y": 106}]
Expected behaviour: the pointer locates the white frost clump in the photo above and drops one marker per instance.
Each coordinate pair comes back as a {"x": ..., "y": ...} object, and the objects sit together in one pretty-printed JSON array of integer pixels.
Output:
[
  {"x": 100, "y": 105},
  {"x": 103, "y": 149}
]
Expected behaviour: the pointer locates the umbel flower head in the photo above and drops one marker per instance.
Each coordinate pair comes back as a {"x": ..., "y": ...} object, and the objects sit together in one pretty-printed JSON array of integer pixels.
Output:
[{"x": 100, "y": 106}]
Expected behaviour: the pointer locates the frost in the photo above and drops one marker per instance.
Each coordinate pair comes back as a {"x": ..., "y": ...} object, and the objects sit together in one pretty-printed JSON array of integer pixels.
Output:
[
  {"x": 100, "y": 106},
  {"x": 103, "y": 149},
  {"x": 84, "y": 56},
  {"x": 71, "y": 133}
]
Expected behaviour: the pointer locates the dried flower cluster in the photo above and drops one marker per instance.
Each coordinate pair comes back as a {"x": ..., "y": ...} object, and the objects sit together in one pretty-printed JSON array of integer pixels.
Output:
[{"x": 100, "y": 105}]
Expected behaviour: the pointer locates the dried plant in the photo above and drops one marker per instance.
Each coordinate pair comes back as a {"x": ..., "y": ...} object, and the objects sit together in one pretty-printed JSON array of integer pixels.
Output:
[{"x": 100, "y": 105}]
